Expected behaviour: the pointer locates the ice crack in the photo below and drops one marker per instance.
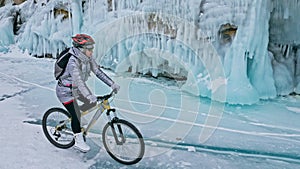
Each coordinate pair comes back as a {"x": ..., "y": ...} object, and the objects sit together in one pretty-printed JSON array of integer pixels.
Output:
[{"x": 7, "y": 96}]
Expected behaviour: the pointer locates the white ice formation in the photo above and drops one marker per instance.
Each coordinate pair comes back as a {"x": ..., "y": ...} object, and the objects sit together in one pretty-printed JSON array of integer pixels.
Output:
[{"x": 234, "y": 51}]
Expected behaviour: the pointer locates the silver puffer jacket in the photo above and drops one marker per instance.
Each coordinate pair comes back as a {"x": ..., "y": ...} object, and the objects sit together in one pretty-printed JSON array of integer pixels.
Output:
[{"x": 72, "y": 82}]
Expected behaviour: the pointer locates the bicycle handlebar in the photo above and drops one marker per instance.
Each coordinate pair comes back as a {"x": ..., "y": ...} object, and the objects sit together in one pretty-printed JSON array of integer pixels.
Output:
[{"x": 106, "y": 97}]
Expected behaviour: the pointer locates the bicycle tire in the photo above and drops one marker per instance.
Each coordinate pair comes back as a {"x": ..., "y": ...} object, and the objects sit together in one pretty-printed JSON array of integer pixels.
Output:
[
  {"x": 51, "y": 119},
  {"x": 133, "y": 133}
]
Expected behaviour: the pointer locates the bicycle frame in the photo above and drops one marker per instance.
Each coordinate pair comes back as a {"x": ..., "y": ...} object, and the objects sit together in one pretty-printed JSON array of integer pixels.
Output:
[{"x": 102, "y": 106}]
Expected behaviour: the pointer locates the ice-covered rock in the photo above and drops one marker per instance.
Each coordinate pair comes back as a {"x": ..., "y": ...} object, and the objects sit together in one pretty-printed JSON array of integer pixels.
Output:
[{"x": 183, "y": 39}]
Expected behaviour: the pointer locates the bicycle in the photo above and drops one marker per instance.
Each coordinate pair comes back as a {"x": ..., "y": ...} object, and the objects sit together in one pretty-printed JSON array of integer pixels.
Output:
[{"x": 121, "y": 139}]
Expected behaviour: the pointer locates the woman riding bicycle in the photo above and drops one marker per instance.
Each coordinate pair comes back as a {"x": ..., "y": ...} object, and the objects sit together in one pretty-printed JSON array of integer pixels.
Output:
[{"x": 71, "y": 84}]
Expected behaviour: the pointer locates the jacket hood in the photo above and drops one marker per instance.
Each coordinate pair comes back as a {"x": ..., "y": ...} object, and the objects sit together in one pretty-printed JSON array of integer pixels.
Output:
[{"x": 79, "y": 54}]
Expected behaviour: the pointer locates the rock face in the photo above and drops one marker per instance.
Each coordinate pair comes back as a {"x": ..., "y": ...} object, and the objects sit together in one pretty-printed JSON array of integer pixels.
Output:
[{"x": 18, "y": 2}]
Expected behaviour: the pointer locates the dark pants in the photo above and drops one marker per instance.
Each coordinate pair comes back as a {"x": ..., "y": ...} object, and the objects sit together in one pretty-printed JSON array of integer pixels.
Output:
[{"x": 74, "y": 109}]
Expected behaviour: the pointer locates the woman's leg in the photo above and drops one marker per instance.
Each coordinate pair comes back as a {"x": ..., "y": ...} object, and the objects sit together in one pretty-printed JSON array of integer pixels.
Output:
[
  {"x": 73, "y": 109},
  {"x": 86, "y": 103}
]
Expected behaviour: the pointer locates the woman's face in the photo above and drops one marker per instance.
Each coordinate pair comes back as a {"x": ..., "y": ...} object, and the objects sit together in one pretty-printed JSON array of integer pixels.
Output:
[{"x": 89, "y": 52}]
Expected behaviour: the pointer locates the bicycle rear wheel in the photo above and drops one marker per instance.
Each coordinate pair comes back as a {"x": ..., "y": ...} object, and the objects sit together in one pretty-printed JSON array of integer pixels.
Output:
[
  {"x": 57, "y": 127},
  {"x": 126, "y": 145}
]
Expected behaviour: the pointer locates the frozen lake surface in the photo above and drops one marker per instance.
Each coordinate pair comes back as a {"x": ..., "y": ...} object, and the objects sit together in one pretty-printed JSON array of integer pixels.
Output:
[{"x": 181, "y": 131}]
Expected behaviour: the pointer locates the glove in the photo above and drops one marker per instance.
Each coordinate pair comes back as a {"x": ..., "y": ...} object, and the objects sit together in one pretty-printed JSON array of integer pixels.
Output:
[
  {"x": 92, "y": 99},
  {"x": 115, "y": 87}
]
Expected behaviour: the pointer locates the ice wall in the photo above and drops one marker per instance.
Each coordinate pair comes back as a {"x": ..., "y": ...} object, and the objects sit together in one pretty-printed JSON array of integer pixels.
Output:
[
  {"x": 246, "y": 63},
  {"x": 43, "y": 33},
  {"x": 40, "y": 35},
  {"x": 260, "y": 24},
  {"x": 285, "y": 22},
  {"x": 156, "y": 41},
  {"x": 6, "y": 29},
  {"x": 7, "y": 36},
  {"x": 285, "y": 45},
  {"x": 256, "y": 58},
  {"x": 77, "y": 19}
]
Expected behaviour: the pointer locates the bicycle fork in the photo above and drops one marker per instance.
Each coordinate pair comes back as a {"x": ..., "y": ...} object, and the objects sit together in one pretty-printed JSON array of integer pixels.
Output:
[{"x": 119, "y": 129}]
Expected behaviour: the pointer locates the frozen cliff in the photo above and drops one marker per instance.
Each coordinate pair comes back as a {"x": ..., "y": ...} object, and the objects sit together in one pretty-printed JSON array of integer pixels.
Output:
[{"x": 235, "y": 51}]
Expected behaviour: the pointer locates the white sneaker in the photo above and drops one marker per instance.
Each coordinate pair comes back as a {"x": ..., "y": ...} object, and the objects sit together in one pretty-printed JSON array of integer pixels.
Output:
[{"x": 80, "y": 143}]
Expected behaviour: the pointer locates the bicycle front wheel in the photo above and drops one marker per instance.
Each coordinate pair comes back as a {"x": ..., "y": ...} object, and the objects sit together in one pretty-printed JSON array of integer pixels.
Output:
[
  {"x": 123, "y": 142},
  {"x": 57, "y": 127}
]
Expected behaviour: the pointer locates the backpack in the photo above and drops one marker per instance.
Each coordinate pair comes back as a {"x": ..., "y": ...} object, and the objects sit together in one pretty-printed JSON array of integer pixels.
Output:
[{"x": 61, "y": 63}]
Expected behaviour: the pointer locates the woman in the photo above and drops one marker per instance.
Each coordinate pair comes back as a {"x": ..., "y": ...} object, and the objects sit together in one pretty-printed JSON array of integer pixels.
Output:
[{"x": 71, "y": 84}]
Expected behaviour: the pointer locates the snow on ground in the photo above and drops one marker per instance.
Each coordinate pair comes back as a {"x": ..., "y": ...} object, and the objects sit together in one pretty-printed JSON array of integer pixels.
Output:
[
  {"x": 24, "y": 145},
  {"x": 265, "y": 135}
]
